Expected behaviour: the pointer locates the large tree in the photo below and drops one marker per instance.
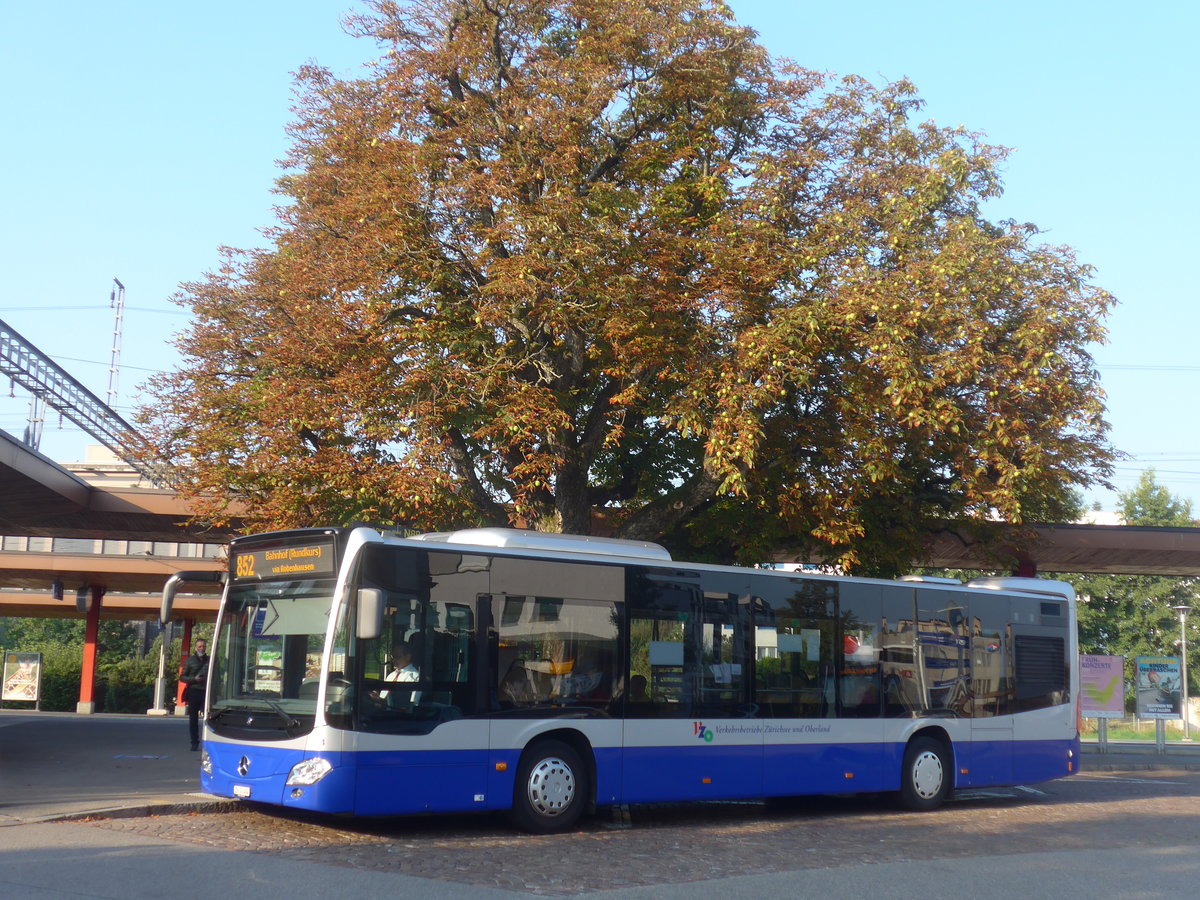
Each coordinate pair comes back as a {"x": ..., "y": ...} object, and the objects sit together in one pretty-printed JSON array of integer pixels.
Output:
[{"x": 587, "y": 264}]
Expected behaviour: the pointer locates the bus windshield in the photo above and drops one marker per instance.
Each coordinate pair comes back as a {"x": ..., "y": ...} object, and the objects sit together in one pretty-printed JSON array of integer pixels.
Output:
[{"x": 267, "y": 659}]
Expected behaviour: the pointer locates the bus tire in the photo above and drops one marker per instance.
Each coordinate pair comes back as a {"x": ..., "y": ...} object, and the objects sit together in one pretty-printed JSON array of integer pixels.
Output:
[
  {"x": 927, "y": 776},
  {"x": 551, "y": 790}
]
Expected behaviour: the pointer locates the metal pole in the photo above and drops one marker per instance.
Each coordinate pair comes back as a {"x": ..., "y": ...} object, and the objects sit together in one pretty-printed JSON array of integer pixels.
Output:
[
  {"x": 1183, "y": 611},
  {"x": 160, "y": 683}
]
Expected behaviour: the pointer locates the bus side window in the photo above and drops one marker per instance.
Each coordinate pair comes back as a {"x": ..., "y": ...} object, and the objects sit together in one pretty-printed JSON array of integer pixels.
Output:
[
  {"x": 691, "y": 643},
  {"x": 991, "y": 667},
  {"x": 794, "y": 635},
  {"x": 942, "y": 651},
  {"x": 897, "y": 658},
  {"x": 724, "y": 655},
  {"x": 554, "y": 652},
  {"x": 859, "y": 683},
  {"x": 662, "y": 619}
]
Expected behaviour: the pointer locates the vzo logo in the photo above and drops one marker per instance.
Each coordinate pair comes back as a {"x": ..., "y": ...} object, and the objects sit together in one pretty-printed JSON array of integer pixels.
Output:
[{"x": 704, "y": 734}]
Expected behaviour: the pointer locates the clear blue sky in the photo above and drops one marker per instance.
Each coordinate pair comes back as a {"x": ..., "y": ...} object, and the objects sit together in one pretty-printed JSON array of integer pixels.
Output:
[{"x": 141, "y": 136}]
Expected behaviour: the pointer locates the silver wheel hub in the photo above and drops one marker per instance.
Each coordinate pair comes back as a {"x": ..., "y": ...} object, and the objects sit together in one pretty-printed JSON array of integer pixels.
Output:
[
  {"x": 551, "y": 786},
  {"x": 927, "y": 775}
]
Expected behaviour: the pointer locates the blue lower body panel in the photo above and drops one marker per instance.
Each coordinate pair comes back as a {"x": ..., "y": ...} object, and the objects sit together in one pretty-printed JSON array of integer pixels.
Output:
[
  {"x": 1035, "y": 761},
  {"x": 397, "y": 782},
  {"x": 403, "y": 782},
  {"x": 797, "y": 769},
  {"x": 654, "y": 774}
]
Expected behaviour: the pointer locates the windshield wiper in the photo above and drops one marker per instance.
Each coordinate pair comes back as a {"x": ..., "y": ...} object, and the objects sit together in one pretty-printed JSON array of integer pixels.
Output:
[{"x": 289, "y": 721}]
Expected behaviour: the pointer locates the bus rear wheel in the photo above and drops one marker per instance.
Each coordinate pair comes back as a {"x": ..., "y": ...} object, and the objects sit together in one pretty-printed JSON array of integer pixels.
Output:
[
  {"x": 926, "y": 779},
  {"x": 551, "y": 789}
]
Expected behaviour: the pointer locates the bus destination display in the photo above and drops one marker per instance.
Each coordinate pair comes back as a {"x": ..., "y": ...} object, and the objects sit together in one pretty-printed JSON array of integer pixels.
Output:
[{"x": 315, "y": 558}]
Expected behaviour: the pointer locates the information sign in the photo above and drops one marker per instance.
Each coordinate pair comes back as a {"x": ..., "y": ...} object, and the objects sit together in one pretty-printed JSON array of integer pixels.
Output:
[
  {"x": 1102, "y": 682},
  {"x": 1158, "y": 687},
  {"x": 22, "y": 677},
  {"x": 294, "y": 561}
]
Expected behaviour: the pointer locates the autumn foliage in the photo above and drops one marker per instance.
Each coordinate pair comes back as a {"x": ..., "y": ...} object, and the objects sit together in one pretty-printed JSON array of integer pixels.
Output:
[{"x": 589, "y": 264}]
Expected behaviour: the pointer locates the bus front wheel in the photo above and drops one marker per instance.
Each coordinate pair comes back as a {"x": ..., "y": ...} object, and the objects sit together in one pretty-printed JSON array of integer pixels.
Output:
[
  {"x": 551, "y": 789},
  {"x": 927, "y": 776}
]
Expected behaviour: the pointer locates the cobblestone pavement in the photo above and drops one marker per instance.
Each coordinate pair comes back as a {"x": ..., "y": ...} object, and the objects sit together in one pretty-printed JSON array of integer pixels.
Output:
[{"x": 683, "y": 843}]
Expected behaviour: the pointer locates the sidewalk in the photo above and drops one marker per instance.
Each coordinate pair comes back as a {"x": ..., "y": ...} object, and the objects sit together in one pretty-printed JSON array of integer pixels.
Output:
[
  {"x": 56, "y": 766},
  {"x": 1140, "y": 755}
]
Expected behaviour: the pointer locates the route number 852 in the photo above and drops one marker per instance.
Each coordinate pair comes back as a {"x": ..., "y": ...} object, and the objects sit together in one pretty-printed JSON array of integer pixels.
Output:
[{"x": 245, "y": 566}]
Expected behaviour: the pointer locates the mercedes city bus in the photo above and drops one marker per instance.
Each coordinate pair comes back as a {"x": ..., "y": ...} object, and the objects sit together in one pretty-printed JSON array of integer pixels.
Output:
[{"x": 546, "y": 675}]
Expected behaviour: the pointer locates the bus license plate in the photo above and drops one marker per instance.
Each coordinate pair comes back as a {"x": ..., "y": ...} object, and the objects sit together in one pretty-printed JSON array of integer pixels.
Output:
[{"x": 241, "y": 790}]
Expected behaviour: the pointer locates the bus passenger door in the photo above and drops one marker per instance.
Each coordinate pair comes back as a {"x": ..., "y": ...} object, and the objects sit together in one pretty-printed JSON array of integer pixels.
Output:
[
  {"x": 796, "y": 685},
  {"x": 991, "y": 759},
  {"x": 690, "y": 730}
]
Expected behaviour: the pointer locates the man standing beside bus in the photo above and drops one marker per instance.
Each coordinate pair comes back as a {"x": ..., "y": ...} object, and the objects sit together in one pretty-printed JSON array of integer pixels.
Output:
[{"x": 195, "y": 677}]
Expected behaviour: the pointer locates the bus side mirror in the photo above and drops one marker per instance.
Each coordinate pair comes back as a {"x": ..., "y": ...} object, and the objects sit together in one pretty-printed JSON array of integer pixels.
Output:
[
  {"x": 370, "y": 614},
  {"x": 175, "y": 582}
]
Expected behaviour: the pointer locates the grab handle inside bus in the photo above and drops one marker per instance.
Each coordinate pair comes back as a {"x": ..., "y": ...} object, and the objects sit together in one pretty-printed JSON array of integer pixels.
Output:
[
  {"x": 172, "y": 586},
  {"x": 370, "y": 614}
]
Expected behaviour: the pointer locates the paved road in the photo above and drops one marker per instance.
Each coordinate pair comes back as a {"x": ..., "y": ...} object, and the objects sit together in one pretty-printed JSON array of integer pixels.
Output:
[{"x": 1128, "y": 827}]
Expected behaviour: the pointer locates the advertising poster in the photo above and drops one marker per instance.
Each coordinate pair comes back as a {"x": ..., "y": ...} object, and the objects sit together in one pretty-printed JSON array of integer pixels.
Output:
[
  {"x": 22, "y": 677},
  {"x": 1102, "y": 683},
  {"x": 1158, "y": 687}
]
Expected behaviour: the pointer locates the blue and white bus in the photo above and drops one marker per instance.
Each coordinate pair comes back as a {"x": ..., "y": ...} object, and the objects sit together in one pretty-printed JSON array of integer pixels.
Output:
[{"x": 547, "y": 675}]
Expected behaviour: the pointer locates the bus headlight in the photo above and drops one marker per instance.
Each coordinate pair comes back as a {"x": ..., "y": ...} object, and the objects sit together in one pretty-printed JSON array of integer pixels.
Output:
[
  {"x": 310, "y": 771},
  {"x": 205, "y": 762}
]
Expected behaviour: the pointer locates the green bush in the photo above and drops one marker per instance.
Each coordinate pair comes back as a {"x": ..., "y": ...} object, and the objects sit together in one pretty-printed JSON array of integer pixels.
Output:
[
  {"x": 129, "y": 685},
  {"x": 124, "y": 683}
]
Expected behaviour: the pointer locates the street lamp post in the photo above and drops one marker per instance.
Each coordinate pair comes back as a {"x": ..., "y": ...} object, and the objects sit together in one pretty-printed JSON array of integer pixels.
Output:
[{"x": 1183, "y": 611}]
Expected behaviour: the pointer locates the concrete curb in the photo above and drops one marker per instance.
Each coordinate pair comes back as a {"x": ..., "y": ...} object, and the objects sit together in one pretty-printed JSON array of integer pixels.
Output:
[
  {"x": 167, "y": 808},
  {"x": 1143, "y": 748}
]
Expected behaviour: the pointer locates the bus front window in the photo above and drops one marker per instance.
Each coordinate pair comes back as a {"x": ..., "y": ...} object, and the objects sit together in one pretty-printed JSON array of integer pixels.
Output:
[{"x": 267, "y": 659}]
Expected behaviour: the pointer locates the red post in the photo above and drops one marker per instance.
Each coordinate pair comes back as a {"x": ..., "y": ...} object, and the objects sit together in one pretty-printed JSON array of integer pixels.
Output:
[
  {"x": 185, "y": 650},
  {"x": 1026, "y": 566},
  {"x": 87, "y": 678}
]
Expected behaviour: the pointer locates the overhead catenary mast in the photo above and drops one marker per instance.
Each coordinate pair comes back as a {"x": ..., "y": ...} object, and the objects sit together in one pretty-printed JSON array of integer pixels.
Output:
[
  {"x": 37, "y": 418},
  {"x": 49, "y": 383},
  {"x": 116, "y": 300}
]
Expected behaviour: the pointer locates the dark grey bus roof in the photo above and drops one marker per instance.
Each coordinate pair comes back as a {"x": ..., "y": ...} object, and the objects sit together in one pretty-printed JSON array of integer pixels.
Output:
[{"x": 514, "y": 540}]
